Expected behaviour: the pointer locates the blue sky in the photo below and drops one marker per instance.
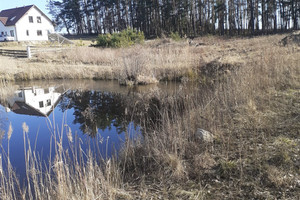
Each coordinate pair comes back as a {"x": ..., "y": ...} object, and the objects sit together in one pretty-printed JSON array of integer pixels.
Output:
[{"x": 41, "y": 4}]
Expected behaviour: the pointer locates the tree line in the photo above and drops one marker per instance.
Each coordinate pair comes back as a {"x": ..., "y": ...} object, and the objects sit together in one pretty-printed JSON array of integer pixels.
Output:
[{"x": 186, "y": 17}]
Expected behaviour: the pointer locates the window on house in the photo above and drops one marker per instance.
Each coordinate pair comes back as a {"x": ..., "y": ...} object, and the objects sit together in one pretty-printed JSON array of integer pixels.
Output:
[
  {"x": 12, "y": 19},
  {"x": 39, "y": 19},
  {"x": 27, "y": 32},
  {"x": 12, "y": 33},
  {"x": 41, "y": 104},
  {"x": 30, "y": 19},
  {"x": 49, "y": 102},
  {"x": 39, "y": 33}
]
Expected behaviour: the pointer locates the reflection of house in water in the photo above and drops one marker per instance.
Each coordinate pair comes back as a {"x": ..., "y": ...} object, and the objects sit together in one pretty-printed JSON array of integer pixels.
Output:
[{"x": 34, "y": 101}]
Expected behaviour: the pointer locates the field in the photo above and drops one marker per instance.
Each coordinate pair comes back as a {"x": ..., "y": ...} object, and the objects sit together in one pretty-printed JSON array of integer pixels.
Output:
[{"x": 248, "y": 98}]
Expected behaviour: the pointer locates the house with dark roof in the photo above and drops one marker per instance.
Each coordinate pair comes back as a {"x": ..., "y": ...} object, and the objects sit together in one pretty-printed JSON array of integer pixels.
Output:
[{"x": 27, "y": 23}]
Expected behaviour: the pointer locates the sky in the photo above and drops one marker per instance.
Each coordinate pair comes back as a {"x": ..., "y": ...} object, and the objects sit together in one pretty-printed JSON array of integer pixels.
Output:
[{"x": 41, "y": 4}]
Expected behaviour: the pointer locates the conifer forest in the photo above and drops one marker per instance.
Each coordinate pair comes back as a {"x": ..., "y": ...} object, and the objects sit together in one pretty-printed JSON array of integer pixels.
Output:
[{"x": 189, "y": 18}]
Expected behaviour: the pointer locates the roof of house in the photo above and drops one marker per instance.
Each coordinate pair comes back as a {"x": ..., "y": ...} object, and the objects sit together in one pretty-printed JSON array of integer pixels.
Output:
[
  {"x": 10, "y": 17},
  {"x": 25, "y": 109}
]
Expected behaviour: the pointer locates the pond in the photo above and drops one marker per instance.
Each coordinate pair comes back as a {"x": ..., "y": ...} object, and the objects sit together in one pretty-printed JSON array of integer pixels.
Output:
[{"x": 94, "y": 112}]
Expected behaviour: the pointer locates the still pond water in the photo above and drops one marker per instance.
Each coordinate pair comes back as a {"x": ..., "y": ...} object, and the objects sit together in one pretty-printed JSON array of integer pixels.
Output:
[{"x": 95, "y": 112}]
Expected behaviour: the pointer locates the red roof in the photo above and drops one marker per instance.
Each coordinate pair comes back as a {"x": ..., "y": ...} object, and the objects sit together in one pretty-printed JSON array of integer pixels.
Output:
[
  {"x": 10, "y": 17},
  {"x": 3, "y": 20}
]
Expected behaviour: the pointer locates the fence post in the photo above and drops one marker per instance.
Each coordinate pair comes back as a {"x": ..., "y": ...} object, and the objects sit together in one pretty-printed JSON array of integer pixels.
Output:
[{"x": 28, "y": 52}]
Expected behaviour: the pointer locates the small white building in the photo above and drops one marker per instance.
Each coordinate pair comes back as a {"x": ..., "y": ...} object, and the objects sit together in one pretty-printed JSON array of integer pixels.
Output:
[{"x": 26, "y": 23}]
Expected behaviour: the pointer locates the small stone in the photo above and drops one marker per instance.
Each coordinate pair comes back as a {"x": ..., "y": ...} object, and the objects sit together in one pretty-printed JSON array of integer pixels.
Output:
[{"x": 204, "y": 135}]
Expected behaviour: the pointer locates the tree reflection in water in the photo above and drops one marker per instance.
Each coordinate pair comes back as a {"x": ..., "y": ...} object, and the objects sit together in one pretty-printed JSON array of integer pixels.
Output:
[{"x": 95, "y": 110}]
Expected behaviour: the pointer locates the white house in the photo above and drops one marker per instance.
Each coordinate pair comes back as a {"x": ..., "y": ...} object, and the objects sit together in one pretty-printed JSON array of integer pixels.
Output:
[
  {"x": 34, "y": 101},
  {"x": 26, "y": 23}
]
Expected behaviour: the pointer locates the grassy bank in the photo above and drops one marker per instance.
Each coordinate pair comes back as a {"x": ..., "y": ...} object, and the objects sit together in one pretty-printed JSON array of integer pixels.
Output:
[
  {"x": 249, "y": 100},
  {"x": 154, "y": 61},
  {"x": 137, "y": 65}
]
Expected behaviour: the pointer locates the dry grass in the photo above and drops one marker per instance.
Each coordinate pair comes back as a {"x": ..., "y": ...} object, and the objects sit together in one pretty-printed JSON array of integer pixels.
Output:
[
  {"x": 140, "y": 64},
  {"x": 252, "y": 111},
  {"x": 154, "y": 61},
  {"x": 23, "y": 69}
]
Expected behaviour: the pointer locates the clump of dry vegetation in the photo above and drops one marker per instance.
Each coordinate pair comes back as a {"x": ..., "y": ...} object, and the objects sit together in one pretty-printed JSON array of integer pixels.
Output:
[{"x": 250, "y": 104}]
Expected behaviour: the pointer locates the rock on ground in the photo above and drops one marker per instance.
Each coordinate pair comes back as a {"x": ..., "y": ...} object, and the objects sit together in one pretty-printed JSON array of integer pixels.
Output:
[{"x": 204, "y": 135}]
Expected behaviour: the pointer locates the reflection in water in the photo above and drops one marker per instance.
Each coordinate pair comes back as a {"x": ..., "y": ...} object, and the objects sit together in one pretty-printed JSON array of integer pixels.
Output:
[
  {"x": 95, "y": 110},
  {"x": 97, "y": 117},
  {"x": 35, "y": 101},
  {"x": 95, "y": 105},
  {"x": 2, "y": 121},
  {"x": 92, "y": 110}
]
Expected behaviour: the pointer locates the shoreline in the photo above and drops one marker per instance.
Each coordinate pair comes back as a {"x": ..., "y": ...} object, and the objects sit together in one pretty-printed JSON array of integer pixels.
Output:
[{"x": 156, "y": 60}]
